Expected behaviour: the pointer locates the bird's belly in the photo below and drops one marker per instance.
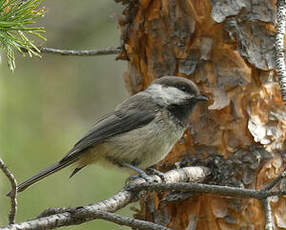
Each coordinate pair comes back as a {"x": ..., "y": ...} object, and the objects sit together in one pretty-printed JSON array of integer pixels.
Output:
[{"x": 143, "y": 147}]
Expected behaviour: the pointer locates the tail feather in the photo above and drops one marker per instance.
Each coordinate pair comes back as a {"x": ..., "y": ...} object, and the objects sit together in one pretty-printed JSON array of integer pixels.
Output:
[{"x": 44, "y": 173}]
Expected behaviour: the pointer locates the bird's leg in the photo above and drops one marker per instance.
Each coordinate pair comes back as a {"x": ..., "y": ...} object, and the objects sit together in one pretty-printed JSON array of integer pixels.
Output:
[
  {"x": 156, "y": 172},
  {"x": 139, "y": 171}
]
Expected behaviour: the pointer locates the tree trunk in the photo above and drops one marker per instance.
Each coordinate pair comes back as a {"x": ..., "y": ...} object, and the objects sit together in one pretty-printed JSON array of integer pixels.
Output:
[{"x": 227, "y": 48}]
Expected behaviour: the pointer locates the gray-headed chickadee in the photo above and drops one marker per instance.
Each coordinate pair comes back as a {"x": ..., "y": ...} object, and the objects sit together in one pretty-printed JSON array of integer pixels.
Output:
[{"x": 138, "y": 133}]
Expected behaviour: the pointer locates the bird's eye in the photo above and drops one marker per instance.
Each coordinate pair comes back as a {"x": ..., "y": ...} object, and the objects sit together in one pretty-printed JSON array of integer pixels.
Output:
[{"x": 183, "y": 88}]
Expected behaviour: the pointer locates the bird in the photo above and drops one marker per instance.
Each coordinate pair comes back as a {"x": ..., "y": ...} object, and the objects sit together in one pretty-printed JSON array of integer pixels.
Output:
[{"x": 137, "y": 134}]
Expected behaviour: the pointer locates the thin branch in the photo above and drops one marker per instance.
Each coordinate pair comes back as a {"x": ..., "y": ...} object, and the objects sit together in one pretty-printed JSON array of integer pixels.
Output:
[
  {"x": 279, "y": 46},
  {"x": 106, "y": 51},
  {"x": 80, "y": 215},
  {"x": 205, "y": 188},
  {"x": 266, "y": 202},
  {"x": 125, "y": 1},
  {"x": 275, "y": 181},
  {"x": 13, "y": 194},
  {"x": 128, "y": 221},
  {"x": 99, "y": 52},
  {"x": 268, "y": 214},
  {"x": 52, "y": 211}
]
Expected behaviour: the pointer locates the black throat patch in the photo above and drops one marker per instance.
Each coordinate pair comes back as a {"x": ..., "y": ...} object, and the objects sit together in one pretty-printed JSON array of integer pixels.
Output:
[{"x": 182, "y": 111}]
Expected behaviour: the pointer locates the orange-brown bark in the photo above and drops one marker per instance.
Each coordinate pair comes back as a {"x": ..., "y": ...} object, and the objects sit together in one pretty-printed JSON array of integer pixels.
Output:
[{"x": 227, "y": 48}]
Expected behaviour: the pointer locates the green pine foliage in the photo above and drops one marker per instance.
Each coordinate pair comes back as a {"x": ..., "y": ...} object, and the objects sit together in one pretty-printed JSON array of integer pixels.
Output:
[{"x": 16, "y": 17}]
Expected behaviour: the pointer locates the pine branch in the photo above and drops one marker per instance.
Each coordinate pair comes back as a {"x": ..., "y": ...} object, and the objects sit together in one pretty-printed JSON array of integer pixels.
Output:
[{"x": 15, "y": 16}]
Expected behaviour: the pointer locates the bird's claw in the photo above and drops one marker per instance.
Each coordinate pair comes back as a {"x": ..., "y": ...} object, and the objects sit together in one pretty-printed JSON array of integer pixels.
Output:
[{"x": 153, "y": 171}]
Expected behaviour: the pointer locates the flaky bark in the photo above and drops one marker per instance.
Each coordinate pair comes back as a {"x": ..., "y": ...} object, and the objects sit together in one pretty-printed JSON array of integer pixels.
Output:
[{"x": 227, "y": 48}]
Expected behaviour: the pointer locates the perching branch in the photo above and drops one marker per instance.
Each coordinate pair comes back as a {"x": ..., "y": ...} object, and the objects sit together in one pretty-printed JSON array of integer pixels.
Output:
[
  {"x": 205, "y": 188},
  {"x": 279, "y": 46},
  {"x": 263, "y": 195},
  {"x": 79, "y": 215},
  {"x": 13, "y": 183},
  {"x": 99, "y": 52},
  {"x": 174, "y": 180}
]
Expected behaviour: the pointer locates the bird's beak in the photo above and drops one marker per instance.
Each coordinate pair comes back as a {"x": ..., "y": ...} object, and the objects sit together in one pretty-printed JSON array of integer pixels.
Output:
[{"x": 201, "y": 98}]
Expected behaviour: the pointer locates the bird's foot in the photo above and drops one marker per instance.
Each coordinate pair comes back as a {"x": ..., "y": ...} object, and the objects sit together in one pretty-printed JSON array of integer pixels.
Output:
[
  {"x": 156, "y": 172},
  {"x": 141, "y": 173},
  {"x": 131, "y": 178}
]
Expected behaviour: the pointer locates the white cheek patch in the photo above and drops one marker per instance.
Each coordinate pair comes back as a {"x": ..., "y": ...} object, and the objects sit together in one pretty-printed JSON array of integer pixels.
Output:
[{"x": 167, "y": 95}]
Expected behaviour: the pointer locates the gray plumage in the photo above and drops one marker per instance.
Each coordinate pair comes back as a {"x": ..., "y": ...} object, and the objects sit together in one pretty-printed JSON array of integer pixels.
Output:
[{"x": 140, "y": 131}]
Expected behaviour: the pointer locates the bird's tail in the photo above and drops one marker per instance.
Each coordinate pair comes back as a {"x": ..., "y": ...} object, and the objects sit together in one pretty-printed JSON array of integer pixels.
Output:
[{"x": 44, "y": 173}]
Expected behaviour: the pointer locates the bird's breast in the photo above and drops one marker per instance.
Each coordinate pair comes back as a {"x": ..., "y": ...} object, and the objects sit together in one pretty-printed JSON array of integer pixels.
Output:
[{"x": 145, "y": 146}]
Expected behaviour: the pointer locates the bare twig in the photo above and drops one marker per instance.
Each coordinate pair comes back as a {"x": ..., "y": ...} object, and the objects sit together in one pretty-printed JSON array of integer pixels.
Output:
[
  {"x": 128, "y": 221},
  {"x": 268, "y": 214},
  {"x": 99, "y": 52},
  {"x": 205, "y": 188},
  {"x": 279, "y": 46},
  {"x": 275, "y": 181},
  {"x": 67, "y": 217},
  {"x": 266, "y": 202},
  {"x": 13, "y": 194},
  {"x": 106, "y": 51}
]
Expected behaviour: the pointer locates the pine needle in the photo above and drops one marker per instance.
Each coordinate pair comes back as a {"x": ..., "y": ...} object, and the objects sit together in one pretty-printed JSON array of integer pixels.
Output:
[{"x": 16, "y": 17}]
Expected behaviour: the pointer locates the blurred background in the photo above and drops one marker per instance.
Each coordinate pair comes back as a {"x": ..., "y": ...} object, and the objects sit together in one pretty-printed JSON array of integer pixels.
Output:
[{"x": 49, "y": 103}]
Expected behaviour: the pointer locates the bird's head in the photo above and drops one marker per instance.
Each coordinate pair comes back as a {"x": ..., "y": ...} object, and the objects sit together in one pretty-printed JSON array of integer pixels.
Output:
[{"x": 172, "y": 90}]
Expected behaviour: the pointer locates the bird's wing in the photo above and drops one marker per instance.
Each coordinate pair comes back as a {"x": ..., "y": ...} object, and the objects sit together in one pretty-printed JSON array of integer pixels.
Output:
[{"x": 133, "y": 113}]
